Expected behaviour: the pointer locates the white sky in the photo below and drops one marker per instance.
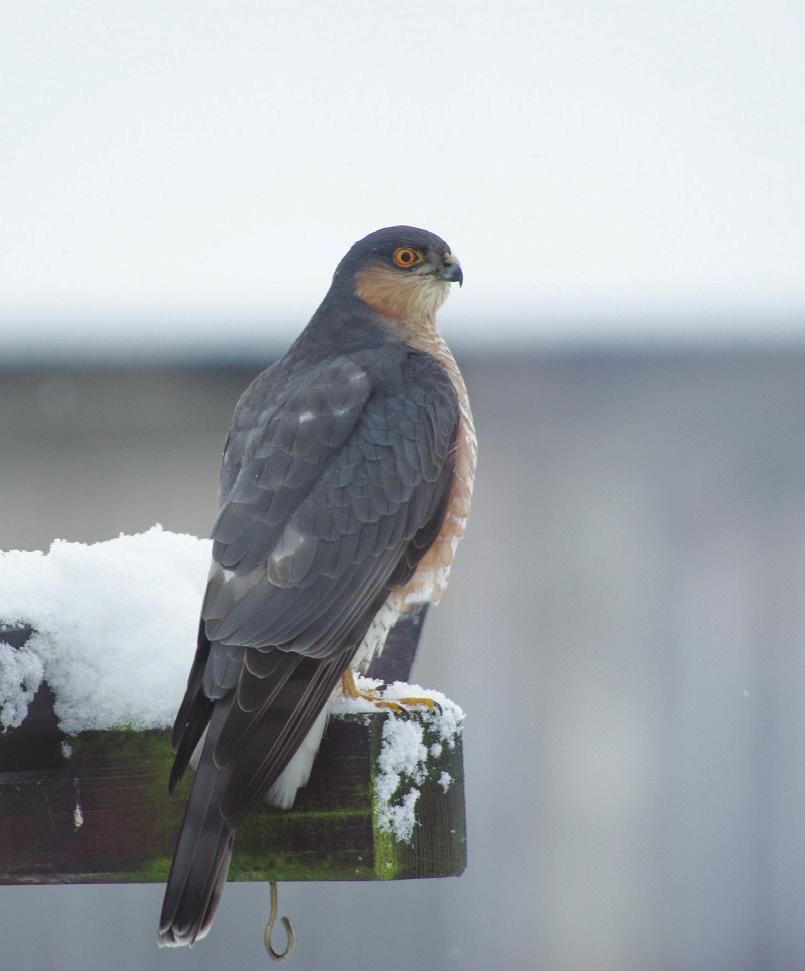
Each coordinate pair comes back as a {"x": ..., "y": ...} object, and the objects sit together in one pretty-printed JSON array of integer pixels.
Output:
[{"x": 600, "y": 165}]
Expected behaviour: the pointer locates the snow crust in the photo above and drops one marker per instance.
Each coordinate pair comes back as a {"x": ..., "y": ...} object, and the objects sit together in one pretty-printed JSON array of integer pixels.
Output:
[{"x": 115, "y": 626}]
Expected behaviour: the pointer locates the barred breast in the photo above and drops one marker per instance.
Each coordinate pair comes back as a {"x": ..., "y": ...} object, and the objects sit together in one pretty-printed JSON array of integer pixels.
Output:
[{"x": 430, "y": 578}]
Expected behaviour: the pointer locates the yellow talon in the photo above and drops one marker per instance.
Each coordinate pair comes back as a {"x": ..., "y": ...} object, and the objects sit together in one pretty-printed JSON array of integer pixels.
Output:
[{"x": 351, "y": 690}]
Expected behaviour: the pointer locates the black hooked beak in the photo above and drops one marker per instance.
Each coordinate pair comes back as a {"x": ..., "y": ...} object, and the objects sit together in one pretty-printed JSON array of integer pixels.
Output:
[{"x": 451, "y": 271}]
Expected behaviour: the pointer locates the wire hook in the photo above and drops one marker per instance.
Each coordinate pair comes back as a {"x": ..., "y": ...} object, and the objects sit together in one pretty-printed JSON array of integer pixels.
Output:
[{"x": 289, "y": 931}]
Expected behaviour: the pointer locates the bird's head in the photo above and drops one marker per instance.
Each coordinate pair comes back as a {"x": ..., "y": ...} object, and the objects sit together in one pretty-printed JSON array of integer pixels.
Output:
[{"x": 401, "y": 272}]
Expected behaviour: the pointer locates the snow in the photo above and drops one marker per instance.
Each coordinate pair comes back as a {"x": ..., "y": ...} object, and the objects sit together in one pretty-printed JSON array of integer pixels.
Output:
[
  {"x": 20, "y": 675},
  {"x": 406, "y": 759},
  {"x": 401, "y": 769},
  {"x": 78, "y": 816},
  {"x": 115, "y": 625},
  {"x": 114, "y": 635}
]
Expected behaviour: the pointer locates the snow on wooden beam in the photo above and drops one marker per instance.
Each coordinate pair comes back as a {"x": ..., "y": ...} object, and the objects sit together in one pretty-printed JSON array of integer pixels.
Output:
[
  {"x": 90, "y": 679},
  {"x": 94, "y": 807}
]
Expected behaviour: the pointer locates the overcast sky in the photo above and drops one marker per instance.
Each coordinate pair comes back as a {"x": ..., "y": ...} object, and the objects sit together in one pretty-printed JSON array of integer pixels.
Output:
[{"x": 600, "y": 165}]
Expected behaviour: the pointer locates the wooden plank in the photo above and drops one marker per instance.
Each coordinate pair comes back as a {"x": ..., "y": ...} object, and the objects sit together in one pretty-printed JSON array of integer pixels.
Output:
[
  {"x": 105, "y": 816},
  {"x": 94, "y": 808}
]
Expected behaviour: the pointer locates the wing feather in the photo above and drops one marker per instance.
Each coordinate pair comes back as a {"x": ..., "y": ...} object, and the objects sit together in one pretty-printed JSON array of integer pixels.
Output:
[{"x": 335, "y": 479}]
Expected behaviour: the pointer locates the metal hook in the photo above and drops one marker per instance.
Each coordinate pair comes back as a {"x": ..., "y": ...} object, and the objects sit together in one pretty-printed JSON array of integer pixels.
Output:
[{"x": 289, "y": 931}]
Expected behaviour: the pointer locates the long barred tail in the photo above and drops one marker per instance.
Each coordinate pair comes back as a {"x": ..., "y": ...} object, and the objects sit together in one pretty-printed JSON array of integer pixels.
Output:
[
  {"x": 250, "y": 742},
  {"x": 200, "y": 864}
]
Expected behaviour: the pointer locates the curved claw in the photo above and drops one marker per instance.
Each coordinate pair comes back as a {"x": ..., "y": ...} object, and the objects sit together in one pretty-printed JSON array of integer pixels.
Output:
[{"x": 272, "y": 920}]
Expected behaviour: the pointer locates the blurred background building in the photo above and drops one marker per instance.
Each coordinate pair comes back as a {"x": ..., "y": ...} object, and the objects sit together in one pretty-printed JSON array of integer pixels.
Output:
[{"x": 625, "y": 620}]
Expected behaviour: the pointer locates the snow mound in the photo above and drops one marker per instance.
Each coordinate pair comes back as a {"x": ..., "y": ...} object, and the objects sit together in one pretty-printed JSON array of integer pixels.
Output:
[{"x": 115, "y": 628}]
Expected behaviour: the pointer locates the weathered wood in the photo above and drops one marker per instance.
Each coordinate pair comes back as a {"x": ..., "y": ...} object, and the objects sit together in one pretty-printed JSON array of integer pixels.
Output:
[
  {"x": 397, "y": 658},
  {"x": 94, "y": 808},
  {"x": 105, "y": 816}
]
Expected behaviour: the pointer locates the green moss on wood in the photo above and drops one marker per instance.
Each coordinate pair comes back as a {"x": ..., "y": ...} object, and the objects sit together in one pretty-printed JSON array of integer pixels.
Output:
[{"x": 130, "y": 823}]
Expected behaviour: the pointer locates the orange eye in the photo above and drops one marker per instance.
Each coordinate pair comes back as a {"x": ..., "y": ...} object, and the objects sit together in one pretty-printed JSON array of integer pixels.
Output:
[{"x": 405, "y": 256}]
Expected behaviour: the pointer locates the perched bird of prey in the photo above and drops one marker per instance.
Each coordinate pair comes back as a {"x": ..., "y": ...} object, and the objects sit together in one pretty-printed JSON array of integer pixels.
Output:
[{"x": 345, "y": 487}]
